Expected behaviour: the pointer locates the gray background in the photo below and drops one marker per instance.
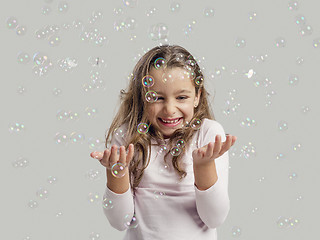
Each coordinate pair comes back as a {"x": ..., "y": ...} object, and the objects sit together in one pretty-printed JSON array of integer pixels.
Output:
[{"x": 260, "y": 188}]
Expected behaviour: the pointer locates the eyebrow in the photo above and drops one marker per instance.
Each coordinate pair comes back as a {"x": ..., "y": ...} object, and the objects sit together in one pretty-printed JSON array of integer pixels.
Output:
[{"x": 181, "y": 91}]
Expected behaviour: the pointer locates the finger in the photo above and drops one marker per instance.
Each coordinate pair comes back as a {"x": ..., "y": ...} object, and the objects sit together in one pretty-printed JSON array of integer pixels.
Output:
[
  {"x": 217, "y": 145},
  {"x": 234, "y": 138},
  {"x": 96, "y": 155},
  {"x": 114, "y": 155},
  {"x": 122, "y": 157},
  {"x": 226, "y": 144},
  {"x": 130, "y": 154},
  {"x": 105, "y": 159},
  {"x": 209, "y": 152}
]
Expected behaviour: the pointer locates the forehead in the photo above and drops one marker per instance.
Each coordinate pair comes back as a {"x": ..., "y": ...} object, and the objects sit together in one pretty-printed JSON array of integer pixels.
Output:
[{"x": 171, "y": 80}]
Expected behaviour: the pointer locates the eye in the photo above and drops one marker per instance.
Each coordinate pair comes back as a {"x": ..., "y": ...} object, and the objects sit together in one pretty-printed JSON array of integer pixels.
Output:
[
  {"x": 182, "y": 97},
  {"x": 160, "y": 98}
]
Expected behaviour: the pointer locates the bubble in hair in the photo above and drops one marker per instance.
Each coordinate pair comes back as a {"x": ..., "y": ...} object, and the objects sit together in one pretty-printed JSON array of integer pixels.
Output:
[
  {"x": 143, "y": 128},
  {"x": 151, "y": 96},
  {"x": 195, "y": 123},
  {"x": 147, "y": 81},
  {"x": 159, "y": 62},
  {"x": 175, "y": 151},
  {"x": 199, "y": 80}
]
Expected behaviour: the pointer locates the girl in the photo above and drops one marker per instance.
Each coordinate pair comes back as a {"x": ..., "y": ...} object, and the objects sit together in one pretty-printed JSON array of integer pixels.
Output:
[{"x": 172, "y": 182}]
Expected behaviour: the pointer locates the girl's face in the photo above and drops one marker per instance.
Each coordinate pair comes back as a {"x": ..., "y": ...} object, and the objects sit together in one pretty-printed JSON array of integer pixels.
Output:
[{"x": 176, "y": 99}]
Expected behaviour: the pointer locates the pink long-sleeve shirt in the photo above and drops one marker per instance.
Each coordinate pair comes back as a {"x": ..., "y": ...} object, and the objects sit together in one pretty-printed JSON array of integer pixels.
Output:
[{"x": 166, "y": 208}]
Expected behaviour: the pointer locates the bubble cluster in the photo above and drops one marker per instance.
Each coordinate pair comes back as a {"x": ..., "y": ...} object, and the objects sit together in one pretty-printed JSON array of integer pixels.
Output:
[
  {"x": 248, "y": 151},
  {"x": 130, "y": 222},
  {"x": 118, "y": 170},
  {"x": 124, "y": 24},
  {"x": 143, "y": 128},
  {"x": 248, "y": 122},
  {"x": 147, "y": 81},
  {"x": 284, "y": 222},
  {"x": 158, "y": 31},
  {"x": 93, "y": 36},
  {"x": 67, "y": 64},
  {"x": 16, "y": 127},
  {"x": 21, "y": 162},
  {"x": 107, "y": 203},
  {"x": 151, "y": 96}
]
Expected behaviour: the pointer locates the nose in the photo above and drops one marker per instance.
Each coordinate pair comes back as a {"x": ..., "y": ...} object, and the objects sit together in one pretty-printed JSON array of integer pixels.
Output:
[{"x": 169, "y": 108}]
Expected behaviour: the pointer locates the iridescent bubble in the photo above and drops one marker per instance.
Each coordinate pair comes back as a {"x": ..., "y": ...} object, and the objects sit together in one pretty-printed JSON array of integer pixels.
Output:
[
  {"x": 40, "y": 58},
  {"x": 76, "y": 137},
  {"x": 62, "y": 115},
  {"x": 87, "y": 87},
  {"x": 174, "y": 7},
  {"x": 143, "y": 128},
  {"x": 175, "y": 151},
  {"x": 77, "y": 24},
  {"x": 119, "y": 25},
  {"x": 199, "y": 80},
  {"x": 42, "y": 193},
  {"x": 130, "y": 23},
  {"x": 158, "y": 31},
  {"x": 41, "y": 34},
  {"x": 130, "y": 3},
  {"x": 93, "y": 174},
  {"x": 56, "y": 91},
  {"x": 95, "y": 143},
  {"x": 208, "y": 12},
  {"x": 282, "y": 126},
  {"x": 162, "y": 148},
  {"x": 118, "y": 170},
  {"x": 195, "y": 123},
  {"x": 17, "y": 127},
  {"x": 54, "y": 40},
  {"x": 21, "y": 90},
  {"x": 300, "y": 19},
  {"x": 32, "y": 204},
  {"x": 296, "y": 147},
  {"x": 93, "y": 197},
  {"x": 159, "y": 62},
  {"x": 280, "y": 42},
  {"x": 63, "y": 6},
  {"x": 52, "y": 180},
  {"x": 129, "y": 222},
  {"x": 73, "y": 115},
  {"x": 316, "y": 42},
  {"x": 151, "y": 11},
  {"x": 94, "y": 236},
  {"x": 23, "y": 57},
  {"x": 248, "y": 122},
  {"x": 158, "y": 195},
  {"x": 91, "y": 112},
  {"x": 46, "y": 10},
  {"x": 21, "y": 162},
  {"x": 180, "y": 143},
  {"x": 240, "y": 42},
  {"x": 305, "y": 30},
  {"x": 21, "y": 30},
  {"x": 151, "y": 96},
  {"x": 305, "y": 109},
  {"x": 147, "y": 81},
  {"x": 188, "y": 29},
  {"x": 293, "y": 79},
  {"x": 12, "y": 22},
  {"x": 236, "y": 231},
  {"x": 118, "y": 10},
  {"x": 61, "y": 138},
  {"x": 280, "y": 156},
  {"x": 299, "y": 61},
  {"x": 252, "y": 16},
  {"x": 293, "y": 5},
  {"x": 107, "y": 203},
  {"x": 293, "y": 176}
]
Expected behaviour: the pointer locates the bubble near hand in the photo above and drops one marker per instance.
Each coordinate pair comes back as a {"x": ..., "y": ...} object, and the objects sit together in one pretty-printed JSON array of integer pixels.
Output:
[
  {"x": 143, "y": 128},
  {"x": 151, "y": 96},
  {"x": 118, "y": 170},
  {"x": 147, "y": 81}
]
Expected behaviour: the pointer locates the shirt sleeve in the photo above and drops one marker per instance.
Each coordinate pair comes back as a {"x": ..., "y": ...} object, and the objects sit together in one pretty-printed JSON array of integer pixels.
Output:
[
  {"x": 118, "y": 208},
  {"x": 213, "y": 204}
]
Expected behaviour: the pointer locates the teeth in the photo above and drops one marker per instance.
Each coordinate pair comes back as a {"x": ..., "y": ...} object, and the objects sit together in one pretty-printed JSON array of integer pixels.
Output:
[{"x": 170, "y": 121}]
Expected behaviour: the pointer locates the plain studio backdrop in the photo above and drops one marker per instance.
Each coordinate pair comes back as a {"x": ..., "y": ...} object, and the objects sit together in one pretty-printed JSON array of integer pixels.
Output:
[{"x": 261, "y": 65}]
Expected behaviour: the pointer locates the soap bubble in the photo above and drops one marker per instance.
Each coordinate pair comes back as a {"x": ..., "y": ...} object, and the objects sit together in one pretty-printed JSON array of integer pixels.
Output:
[
  {"x": 151, "y": 96},
  {"x": 159, "y": 62},
  {"x": 147, "y": 81},
  {"x": 143, "y": 128},
  {"x": 175, "y": 151},
  {"x": 195, "y": 123},
  {"x": 130, "y": 222},
  {"x": 118, "y": 170}
]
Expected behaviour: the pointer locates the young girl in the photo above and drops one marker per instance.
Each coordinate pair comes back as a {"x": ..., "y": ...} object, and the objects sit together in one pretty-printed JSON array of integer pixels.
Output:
[{"x": 172, "y": 181}]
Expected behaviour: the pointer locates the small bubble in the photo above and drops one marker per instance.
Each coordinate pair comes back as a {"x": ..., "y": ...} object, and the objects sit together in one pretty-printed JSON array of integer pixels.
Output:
[
  {"x": 94, "y": 236},
  {"x": 174, "y": 7},
  {"x": 143, "y": 128},
  {"x": 42, "y": 193},
  {"x": 21, "y": 30},
  {"x": 159, "y": 62},
  {"x": 107, "y": 204},
  {"x": 240, "y": 42},
  {"x": 118, "y": 170},
  {"x": 175, "y": 151},
  {"x": 93, "y": 197},
  {"x": 151, "y": 96},
  {"x": 147, "y": 81},
  {"x": 280, "y": 42},
  {"x": 305, "y": 109},
  {"x": 32, "y": 204},
  {"x": 195, "y": 123},
  {"x": 293, "y": 5},
  {"x": 23, "y": 57},
  {"x": 180, "y": 143},
  {"x": 208, "y": 12},
  {"x": 12, "y": 22},
  {"x": 252, "y": 16},
  {"x": 282, "y": 126},
  {"x": 129, "y": 222},
  {"x": 236, "y": 231},
  {"x": 293, "y": 79}
]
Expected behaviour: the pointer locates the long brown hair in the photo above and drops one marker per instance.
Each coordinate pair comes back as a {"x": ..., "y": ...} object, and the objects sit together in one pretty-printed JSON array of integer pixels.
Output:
[{"x": 133, "y": 105}]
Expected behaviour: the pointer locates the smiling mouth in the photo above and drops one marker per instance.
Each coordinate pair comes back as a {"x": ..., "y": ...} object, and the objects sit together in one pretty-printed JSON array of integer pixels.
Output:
[{"x": 171, "y": 123}]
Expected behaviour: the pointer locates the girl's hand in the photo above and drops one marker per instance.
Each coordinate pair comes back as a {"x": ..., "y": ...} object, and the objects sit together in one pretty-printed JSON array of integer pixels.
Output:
[
  {"x": 212, "y": 150},
  {"x": 109, "y": 157}
]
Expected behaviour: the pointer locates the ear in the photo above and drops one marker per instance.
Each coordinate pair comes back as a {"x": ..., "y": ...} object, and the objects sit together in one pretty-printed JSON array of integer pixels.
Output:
[{"x": 197, "y": 98}]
